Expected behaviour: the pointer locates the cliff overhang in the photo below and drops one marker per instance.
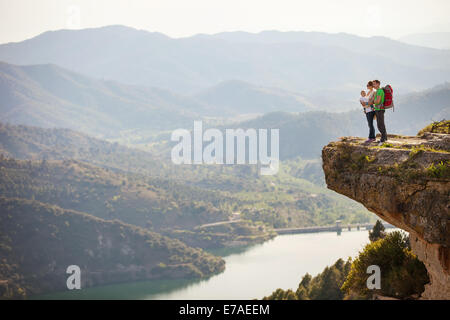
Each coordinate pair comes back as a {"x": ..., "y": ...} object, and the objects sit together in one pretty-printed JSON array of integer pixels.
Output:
[{"x": 405, "y": 182}]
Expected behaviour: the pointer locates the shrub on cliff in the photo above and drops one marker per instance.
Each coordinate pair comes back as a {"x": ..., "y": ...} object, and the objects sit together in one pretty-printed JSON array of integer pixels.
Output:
[
  {"x": 439, "y": 170},
  {"x": 437, "y": 127},
  {"x": 402, "y": 274}
]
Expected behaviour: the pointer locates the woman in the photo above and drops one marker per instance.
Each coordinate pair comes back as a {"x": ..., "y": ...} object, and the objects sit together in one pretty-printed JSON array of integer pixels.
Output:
[{"x": 369, "y": 111}]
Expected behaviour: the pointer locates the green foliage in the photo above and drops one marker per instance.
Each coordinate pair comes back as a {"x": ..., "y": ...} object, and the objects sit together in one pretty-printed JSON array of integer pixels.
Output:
[
  {"x": 356, "y": 161},
  {"x": 324, "y": 286},
  {"x": 38, "y": 246},
  {"x": 418, "y": 150},
  {"x": 402, "y": 274},
  {"x": 440, "y": 170},
  {"x": 239, "y": 233},
  {"x": 118, "y": 185},
  {"x": 361, "y": 162},
  {"x": 196, "y": 196},
  {"x": 413, "y": 169},
  {"x": 101, "y": 192},
  {"x": 377, "y": 232},
  {"x": 387, "y": 145},
  {"x": 437, "y": 127}
]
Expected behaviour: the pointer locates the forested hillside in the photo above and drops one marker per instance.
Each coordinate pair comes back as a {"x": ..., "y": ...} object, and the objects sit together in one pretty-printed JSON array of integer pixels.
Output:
[
  {"x": 108, "y": 195},
  {"x": 39, "y": 241},
  {"x": 162, "y": 191}
]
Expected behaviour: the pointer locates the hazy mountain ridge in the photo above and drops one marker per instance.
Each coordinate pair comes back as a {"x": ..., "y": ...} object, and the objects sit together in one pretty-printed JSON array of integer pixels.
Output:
[
  {"x": 398, "y": 51},
  {"x": 66, "y": 195},
  {"x": 240, "y": 97},
  {"x": 46, "y": 95},
  {"x": 417, "y": 109},
  {"x": 186, "y": 65},
  {"x": 304, "y": 134},
  {"x": 437, "y": 40},
  {"x": 50, "y": 96}
]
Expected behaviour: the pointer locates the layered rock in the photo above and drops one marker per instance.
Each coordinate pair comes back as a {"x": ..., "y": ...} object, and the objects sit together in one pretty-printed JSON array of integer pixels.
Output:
[{"x": 405, "y": 182}]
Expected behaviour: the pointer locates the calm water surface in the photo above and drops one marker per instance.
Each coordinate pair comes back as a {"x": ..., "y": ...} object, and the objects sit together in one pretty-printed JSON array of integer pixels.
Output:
[{"x": 252, "y": 272}]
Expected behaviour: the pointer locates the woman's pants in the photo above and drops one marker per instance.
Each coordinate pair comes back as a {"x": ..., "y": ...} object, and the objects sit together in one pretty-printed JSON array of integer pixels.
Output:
[{"x": 369, "y": 117}]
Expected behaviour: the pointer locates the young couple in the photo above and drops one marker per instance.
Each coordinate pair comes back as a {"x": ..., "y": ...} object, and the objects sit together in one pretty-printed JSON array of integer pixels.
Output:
[{"x": 372, "y": 102}]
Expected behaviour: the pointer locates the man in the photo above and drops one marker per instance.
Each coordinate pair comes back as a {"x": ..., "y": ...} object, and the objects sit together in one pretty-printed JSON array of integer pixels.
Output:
[{"x": 379, "y": 111}]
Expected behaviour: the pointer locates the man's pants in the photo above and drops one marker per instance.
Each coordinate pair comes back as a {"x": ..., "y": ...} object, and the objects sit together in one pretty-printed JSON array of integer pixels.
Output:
[
  {"x": 380, "y": 124},
  {"x": 369, "y": 117}
]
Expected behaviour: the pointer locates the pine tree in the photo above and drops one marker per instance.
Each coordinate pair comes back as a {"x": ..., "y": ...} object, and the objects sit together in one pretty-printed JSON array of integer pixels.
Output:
[{"x": 377, "y": 232}]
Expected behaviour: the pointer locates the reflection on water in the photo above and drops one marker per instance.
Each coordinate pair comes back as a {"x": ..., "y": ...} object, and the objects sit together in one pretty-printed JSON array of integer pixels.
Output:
[
  {"x": 251, "y": 272},
  {"x": 132, "y": 290},
  {"x": 224, "y": 252}
]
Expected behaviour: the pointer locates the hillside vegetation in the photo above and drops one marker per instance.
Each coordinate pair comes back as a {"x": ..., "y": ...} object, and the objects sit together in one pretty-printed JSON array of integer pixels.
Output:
[
  {"x": 108, "y": 195},
  {"x": 437, "y": 127},
  {"x": 403, "y": 276},
  {"x": 39, "y": 241},
  {"x": 294, "y": 197},
  {"x": 325, "y": 286}
]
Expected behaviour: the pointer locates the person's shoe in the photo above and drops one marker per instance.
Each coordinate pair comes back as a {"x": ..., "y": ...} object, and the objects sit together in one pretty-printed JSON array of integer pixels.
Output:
[
  {"x": 369, "y": 141},
  {"x": 381, "y": 142}
]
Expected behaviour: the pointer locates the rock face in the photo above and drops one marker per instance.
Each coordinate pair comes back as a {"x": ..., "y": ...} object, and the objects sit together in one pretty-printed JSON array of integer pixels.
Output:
[{"x": 405, "y": 182}]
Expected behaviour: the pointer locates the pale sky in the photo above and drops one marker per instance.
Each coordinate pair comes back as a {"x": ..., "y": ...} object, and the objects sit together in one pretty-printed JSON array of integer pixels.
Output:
[{"x": 22, "y": 19}]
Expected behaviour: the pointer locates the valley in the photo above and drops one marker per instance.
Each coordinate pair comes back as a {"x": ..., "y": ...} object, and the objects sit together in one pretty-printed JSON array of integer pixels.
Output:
[{"x": 87, "y": 170}]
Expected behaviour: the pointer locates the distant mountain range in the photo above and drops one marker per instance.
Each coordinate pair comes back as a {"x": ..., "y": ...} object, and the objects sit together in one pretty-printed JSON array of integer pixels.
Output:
[
  {"x": 417, "y": 109},
  {"x": 50, "y": 96},
  {"x": 437, "y": 40},
  {"x": 124, "y": 206},
  {"x": 233, "y": 74},
  {"x": 310, "y": 64},
  {"x": 238, "y": 97},
  {"x": 306, "y": 133}
]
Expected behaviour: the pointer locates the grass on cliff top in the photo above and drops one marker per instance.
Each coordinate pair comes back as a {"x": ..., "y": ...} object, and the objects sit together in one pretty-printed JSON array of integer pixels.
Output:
[
  {"x": 408, "y": 170},
  {"x": 437, "y": 127},
  {"x": 414, "y": 149},
  {"x": 390, "y": 145}
]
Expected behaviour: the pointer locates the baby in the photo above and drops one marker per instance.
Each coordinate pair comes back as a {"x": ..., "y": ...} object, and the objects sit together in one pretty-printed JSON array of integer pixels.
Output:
[{"x": 365, "y": 100}]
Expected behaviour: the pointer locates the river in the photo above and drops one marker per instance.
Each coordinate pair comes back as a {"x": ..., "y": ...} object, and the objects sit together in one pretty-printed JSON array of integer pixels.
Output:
[{"x": 252, "y": 272}]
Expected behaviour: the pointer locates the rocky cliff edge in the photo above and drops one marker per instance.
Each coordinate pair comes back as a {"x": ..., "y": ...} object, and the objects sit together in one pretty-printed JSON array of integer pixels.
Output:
[{"x": 406, "y": 182}]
